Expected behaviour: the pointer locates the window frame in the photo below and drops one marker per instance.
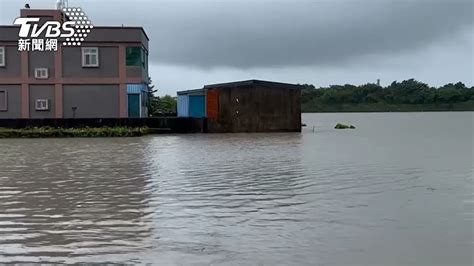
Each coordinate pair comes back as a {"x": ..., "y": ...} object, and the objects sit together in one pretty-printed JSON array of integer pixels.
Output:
[
  {"x": 41, "y": 70},
  {"x": 85, "y": 51},
  {"x": 44, "y": 105},
  {"x": 6, "y": 100},
  {"x": 138, "y": 60},
  {"x": 144, "y": 58},
  {"x": 3, "y": 56}
]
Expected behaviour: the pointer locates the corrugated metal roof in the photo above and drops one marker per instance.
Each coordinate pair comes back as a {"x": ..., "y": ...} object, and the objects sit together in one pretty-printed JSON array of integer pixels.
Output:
[
  {"x": 192, "y": 92},
  {"x": 241, "y": 84},
  {"x": 254, "y": 82}
]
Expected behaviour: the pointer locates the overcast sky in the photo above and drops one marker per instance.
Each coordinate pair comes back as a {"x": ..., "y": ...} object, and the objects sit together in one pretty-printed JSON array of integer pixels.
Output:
[{"x": 322, "y": 42}]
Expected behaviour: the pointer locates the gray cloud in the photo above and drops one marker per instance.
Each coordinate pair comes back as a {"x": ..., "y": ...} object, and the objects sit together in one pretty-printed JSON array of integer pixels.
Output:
[
  {"x": 196, "y": 42},
  {"x": 246, "y": 34},
  {"x": 275, "y": 33}
]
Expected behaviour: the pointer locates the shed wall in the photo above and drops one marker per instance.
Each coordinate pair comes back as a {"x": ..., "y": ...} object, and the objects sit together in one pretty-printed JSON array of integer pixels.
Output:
[
  {"x": 197, "y": 106},
  {"x": 183, "y": 105},
  {"x": 257, "y": 109}
]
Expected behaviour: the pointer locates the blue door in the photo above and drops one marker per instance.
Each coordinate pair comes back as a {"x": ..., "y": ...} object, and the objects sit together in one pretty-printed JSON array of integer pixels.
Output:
[
  {"x": 134, "y": 105},
  {"x": 197, "y": 106}
]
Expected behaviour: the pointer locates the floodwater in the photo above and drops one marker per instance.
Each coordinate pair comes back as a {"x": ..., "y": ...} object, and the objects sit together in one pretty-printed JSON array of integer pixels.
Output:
[{"x": 398, "y": 190}]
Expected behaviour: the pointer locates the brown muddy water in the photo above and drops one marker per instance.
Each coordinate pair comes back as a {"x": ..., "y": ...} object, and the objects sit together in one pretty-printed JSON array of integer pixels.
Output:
[{"x": 398, "y": 190}]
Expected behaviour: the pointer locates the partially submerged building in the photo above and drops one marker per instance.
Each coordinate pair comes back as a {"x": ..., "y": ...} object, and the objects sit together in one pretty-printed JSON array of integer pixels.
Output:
[
  {"x": 105, "y": 77},
  {"x": 245, "y": 106}
]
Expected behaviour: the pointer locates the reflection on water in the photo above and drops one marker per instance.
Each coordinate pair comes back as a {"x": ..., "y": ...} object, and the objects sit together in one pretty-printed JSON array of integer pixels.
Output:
[
  {"x": 396, "y": 191},
  {"x": 64, "y": 200}
]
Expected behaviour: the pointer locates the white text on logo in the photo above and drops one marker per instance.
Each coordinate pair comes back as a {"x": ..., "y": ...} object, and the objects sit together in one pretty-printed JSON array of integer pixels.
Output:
[{"x": 53, "y": 29}]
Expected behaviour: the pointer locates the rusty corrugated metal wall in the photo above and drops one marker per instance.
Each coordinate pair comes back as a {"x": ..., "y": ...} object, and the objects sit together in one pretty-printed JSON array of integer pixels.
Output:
[{"x": 257, "y": 108}]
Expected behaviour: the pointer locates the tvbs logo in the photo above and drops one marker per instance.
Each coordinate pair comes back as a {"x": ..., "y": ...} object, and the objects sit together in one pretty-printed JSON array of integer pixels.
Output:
[
  {"x": 52, "y": 29},
  {"x": 73, "y": 31}
]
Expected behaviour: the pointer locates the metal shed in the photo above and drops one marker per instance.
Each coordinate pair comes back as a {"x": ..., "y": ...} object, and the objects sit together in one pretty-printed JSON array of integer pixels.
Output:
[{"x": 245, "y": 106}]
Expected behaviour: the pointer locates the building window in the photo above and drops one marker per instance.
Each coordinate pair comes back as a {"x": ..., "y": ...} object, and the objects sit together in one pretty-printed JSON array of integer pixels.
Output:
[
  {"x": 41, "y": 73},
  {"x": 134, "y": 56},
  {"x": 42, "y": 105},
  {"x": 144, "y": 59},
  {"x": 3, "y": 100},
  {"x": 90, "y": 57},
  {"x": 137, "y": 56},
  {"x": 2, "y": 56}
]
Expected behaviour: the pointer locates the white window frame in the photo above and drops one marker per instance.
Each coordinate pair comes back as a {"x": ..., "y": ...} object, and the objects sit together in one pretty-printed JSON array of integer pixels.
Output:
[
  {"x": 6, "y": 100},
  {"x": 85, "y": 51},
  {"x": 42, "y": 105},
  {"x": 41, "y": 73},
  {"x": 2, "y": 56}
]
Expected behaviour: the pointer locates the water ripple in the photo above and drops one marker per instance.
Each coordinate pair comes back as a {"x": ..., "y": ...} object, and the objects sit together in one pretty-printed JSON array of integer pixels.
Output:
[{"x": 291, "y": 199}]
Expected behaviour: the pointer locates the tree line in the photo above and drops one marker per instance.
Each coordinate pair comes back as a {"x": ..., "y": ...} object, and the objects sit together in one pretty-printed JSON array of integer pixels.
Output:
[{"x": 408, "y": 94}]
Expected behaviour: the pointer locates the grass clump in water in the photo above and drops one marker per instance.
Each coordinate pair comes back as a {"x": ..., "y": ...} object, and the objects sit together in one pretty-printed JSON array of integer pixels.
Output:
[
  {"x": 343, "y": 126},
  {"x": 51, "y": 132}
]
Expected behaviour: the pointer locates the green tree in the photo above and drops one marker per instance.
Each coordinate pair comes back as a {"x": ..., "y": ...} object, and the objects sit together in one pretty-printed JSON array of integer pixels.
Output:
[
  {"x": 152, "y": 99},
  {"x": 167, "y": 105},
  {"x": 407, "y": 92},
  {"x": 159, "y": 106}
]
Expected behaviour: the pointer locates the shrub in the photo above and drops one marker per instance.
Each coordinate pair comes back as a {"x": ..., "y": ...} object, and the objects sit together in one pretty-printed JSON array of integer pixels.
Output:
[
  {"x": 343, "y": 126},
  {"x": 50, "y": 132}
]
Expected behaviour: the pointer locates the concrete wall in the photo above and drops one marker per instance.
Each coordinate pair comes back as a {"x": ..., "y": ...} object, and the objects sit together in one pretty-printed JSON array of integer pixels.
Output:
[
  {"x": 92, "y": 101},
  {"x": 12, "y": 68},
  {"x": 41, "y": 60},
  {"x": 108, "y": 63},
  {"x": 258, "y": 109},
  {"x": 41, "y": 92},
  {"x": 9, "y": 33},
  {"x": 135, "y": 71},
  {"x": 13, "y": 101}
]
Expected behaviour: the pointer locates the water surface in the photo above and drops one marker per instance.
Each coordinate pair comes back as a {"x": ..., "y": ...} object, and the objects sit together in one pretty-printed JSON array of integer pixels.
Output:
[{"x": 398, "y": 190}]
